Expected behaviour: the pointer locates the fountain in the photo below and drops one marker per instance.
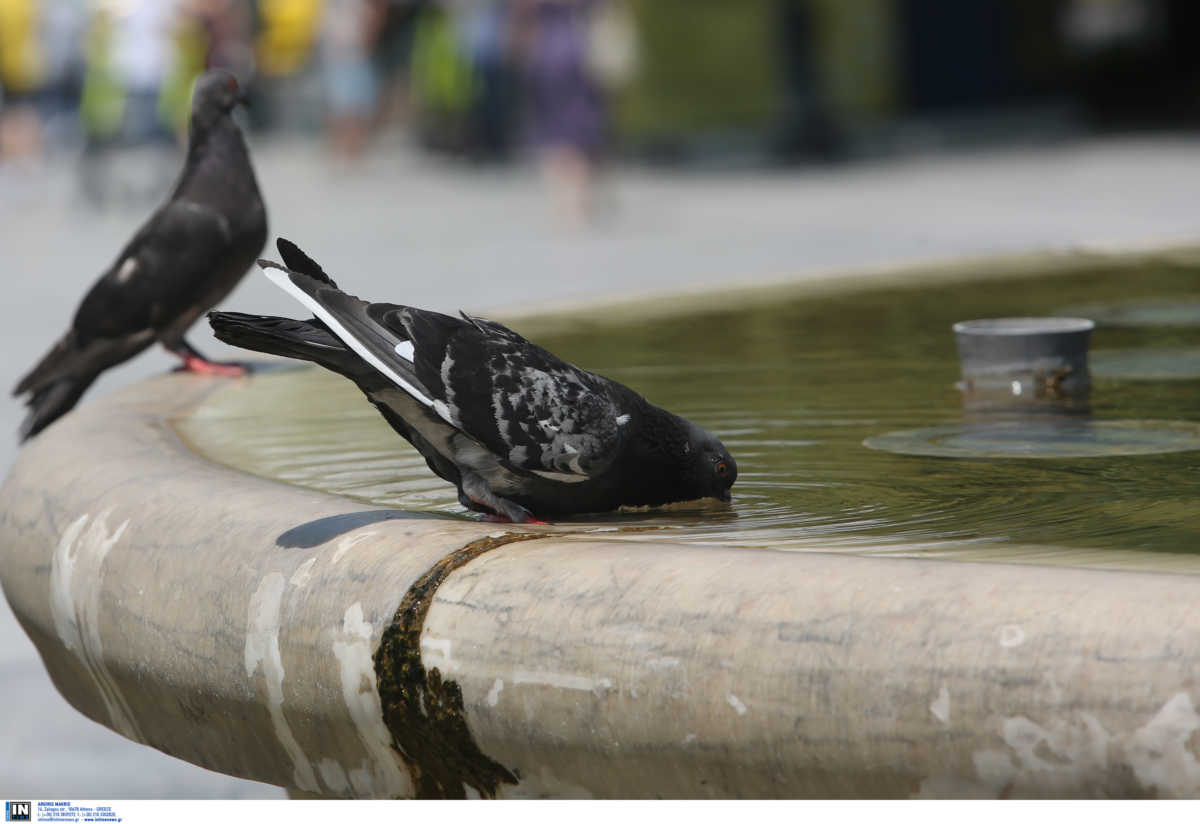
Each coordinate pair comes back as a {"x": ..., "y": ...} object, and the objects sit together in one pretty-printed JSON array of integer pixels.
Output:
[{"x": 293, "y": 598}]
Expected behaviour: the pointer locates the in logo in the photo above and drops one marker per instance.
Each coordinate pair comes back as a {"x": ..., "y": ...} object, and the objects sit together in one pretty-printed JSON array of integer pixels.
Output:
[{"x": 17, "y": 811}]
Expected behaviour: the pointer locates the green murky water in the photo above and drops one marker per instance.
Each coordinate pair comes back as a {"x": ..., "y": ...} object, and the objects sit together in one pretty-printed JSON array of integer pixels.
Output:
[{"x": 794, "y": 384}]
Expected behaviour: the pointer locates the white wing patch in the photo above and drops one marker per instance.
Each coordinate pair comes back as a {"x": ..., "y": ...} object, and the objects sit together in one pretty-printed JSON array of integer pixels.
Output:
[
  {"x": 405, "y": 350},
  {"x": 622, "y": 420},
  {"x": 280, "y": 278},
  {"x": 561, "y": 477},
  {"x": 127, "y": 269}
]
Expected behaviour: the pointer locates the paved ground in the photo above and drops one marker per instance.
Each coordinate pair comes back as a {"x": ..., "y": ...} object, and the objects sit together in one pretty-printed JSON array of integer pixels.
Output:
[{"x": 403, "y": 228}]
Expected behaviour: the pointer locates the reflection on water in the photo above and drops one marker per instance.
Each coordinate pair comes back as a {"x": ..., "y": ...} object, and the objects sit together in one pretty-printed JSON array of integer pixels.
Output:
[
  {"x": 1043, "y": 436},
  {"x": 793, "y": 387},
  {"x": 1176, "y": 310},
  {"x": 1148, "y": 364}
]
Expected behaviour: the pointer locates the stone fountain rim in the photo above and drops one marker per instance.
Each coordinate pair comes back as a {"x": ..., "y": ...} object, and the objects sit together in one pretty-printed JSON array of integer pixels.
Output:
[{"x": 218, "y": 629}]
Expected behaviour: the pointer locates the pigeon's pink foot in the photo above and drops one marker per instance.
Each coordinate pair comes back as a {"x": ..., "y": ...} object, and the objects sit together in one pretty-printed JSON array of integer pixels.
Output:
[
  {"x": 203, "y": 367},
  {"x": 501, "y": 519}
]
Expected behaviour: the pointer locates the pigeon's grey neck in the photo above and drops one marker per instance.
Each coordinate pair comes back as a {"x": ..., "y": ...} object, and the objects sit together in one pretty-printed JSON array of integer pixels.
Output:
[{"x": 218, "y": 165}]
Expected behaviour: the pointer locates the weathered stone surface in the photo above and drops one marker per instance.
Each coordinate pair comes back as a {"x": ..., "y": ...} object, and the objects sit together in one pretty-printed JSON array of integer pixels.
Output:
[{"x": 236, "y": 622}]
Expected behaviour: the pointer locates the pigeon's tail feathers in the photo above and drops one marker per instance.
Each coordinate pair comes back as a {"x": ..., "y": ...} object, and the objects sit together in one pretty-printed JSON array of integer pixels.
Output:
[
  {"x": 288, "y": 338},
  {"x": 68, "y": 369},
  {"x": 51, "y": 401},
  {"x": 388, "y": 351},
  {"x": 295, "y": 259},
  {"x": 54, "y": 385},
  {"x": 52, "y": 366}
]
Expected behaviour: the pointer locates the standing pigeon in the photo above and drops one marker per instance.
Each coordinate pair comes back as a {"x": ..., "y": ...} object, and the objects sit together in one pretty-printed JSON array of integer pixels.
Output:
[
  {"x": 521, "y": 433},
  {"x": 188, "y": 256}
]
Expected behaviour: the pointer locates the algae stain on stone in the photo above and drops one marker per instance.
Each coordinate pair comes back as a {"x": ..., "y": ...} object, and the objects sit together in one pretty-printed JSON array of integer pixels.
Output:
[{"x": 425, "y": 712}]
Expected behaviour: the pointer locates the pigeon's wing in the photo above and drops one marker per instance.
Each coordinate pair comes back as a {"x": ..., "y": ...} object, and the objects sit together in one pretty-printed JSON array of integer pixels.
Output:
[
  {"x": 532, "y": 409},
  {"x": 346, "y": 317},
  {"x": 160, "y": 274}
]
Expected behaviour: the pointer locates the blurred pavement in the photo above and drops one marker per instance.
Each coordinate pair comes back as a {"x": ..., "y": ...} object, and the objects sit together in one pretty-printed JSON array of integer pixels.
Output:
[{"x": 406, "y": 228}]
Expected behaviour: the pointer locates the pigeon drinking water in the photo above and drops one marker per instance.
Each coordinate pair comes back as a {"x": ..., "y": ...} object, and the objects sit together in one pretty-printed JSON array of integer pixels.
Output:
[
  {"x": 187, "y": 257},
  {"x": 521, "y": 433}
]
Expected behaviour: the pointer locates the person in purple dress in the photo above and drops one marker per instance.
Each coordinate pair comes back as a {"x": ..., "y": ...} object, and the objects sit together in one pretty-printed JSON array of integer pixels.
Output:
[{"x": 567, "y": 105}]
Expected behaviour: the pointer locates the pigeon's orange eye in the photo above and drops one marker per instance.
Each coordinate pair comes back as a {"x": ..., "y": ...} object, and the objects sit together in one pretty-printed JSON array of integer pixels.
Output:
[{"x": 722, "y": 469}]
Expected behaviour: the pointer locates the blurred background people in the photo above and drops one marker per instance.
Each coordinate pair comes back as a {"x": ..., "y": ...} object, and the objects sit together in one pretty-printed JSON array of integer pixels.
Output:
[
  {"x": 140, "y": 59},
  {"x": 131, "y": 55},
  {"x": 486, "y": 32},
  {"x": 574, "y": 85},
  {"x": 349, "y": 31},
  {"x": 442, "y": 81},
  {"x": 568, "y": 48},
  {"x": 39, "y": 73}
]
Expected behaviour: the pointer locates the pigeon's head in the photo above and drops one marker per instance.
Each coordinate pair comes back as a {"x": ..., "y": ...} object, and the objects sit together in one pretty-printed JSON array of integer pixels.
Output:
[
  {"x": 711, "y": 470},
  {"x": 215, "y": 95}
]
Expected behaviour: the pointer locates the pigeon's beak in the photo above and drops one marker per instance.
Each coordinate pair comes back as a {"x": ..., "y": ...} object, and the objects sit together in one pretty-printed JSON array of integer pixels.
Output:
[
  {"x": 725, "y": 496},
  {"x": 242, "y": 99}
]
